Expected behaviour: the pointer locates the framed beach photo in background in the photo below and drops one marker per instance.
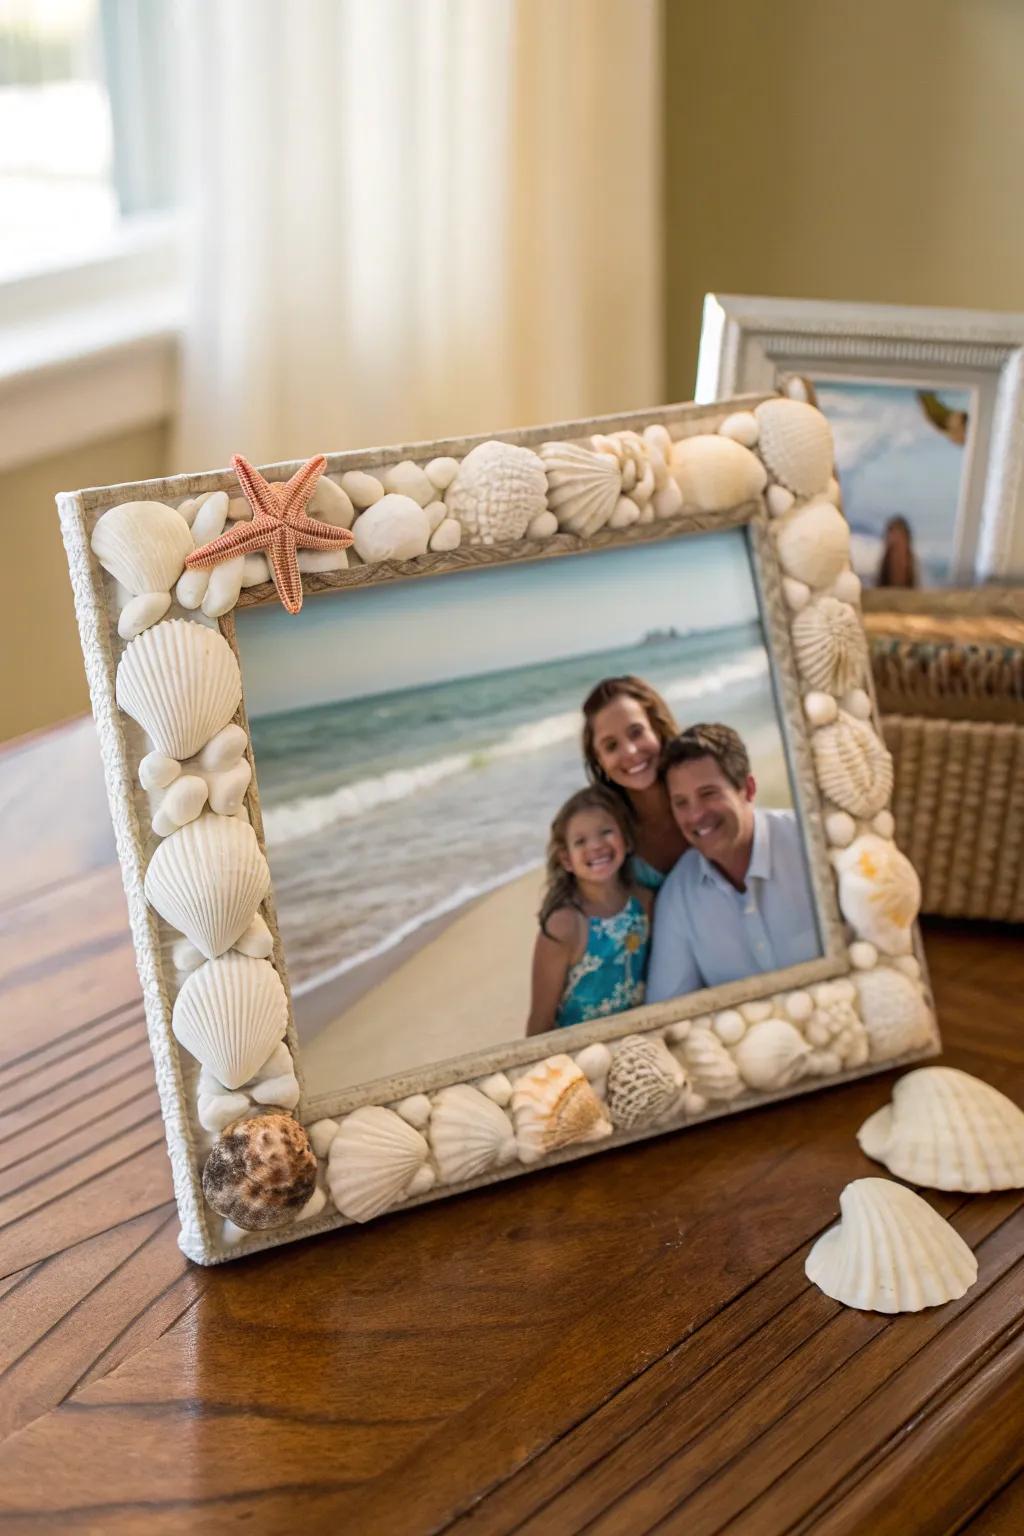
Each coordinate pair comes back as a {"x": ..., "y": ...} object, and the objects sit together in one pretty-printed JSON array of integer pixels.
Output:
[{"x": 490, "y": 802}]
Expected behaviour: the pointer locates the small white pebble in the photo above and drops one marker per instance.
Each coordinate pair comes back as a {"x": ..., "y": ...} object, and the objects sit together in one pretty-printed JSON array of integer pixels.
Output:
[
  {"x": 840, "y": 829},
  {"x": 407, "y": 479},
  {"x": 496, "y": 1087},
  {"x": 742, "y": 427},
  {"x": 799, "y": 1006},
  {"x": 543, "y": 526},
  {"x": 820, "y": 708},
  {"x": 441, "y": 472},
  {"x": 779, "y": 500},
  {"x": 361, "y": 489},
  {"x": 796, "y": 593},
  {"x": 222, "y": 750},
  {"x": 884, "y": 824},
  {"x": 321, "y": 1133},
  {"x": 858, "y": 704},
  {"x": 863, "y": 956},
  {"x": 846, "y": 588},
  {"x": 415, "y": 1110},
  {"x": 729, "y": 1026}
]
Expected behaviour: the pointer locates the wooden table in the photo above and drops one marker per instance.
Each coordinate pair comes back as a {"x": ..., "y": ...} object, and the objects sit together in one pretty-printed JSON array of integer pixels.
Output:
[{"x": 626, "y": 1345}]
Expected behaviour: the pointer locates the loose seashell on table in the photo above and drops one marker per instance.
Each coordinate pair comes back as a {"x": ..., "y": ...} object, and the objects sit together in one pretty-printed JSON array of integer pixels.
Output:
[
  {"x": 830, "y": 646},
  {"x": 208, "y": 881},
  {"x": 795, "y": 442},
  {"x": 948, "y": 1130},
  {"x": 143, "y": 544},
  {"x": 469, "y": 1133},
  {"x": 583, "y": 486},
  {"x": 261, "y": 1172},
  {"x": 180, "y": 681},
  {"x": 553, "y": 1106},
  {"x": 854, "y": 767},
  {"x": 376, "y": 1160},
  {"x": 714, "y": 472},
  {"x": 644, "y": 1082},
  {"x": 499, "y": 489},
  {"x": 879, "y": 892},
  {"x": 813, "y": 543},
  {"x": 894, "y": 1012},
  {"x": 230, "y": 1014}
]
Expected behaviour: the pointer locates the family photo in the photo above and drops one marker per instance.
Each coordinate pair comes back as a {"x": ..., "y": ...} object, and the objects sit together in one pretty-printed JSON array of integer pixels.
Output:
[{"x": 505, "y": 801}]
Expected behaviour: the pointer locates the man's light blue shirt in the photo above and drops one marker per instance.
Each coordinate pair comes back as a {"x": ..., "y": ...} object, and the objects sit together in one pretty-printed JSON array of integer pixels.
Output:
[{"x": 706, "y": 932}]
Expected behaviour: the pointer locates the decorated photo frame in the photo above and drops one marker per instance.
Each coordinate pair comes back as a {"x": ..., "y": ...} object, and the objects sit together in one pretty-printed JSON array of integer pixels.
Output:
[{"x": 164, "y": 572}]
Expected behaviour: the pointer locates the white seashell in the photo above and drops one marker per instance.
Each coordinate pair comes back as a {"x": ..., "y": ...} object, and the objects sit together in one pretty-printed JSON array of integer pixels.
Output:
[
  {"x": 879, "y": 892},
  {"x": 714, "y": 472},
  {"x": 374, "y": 1160},
  {"x": 583, "y": 487},
  {"x": 823, "y": 1063},
  {"x": 853, "y": 766},
  {"x": 469, "y": 1134},
  {"x": 730, "y": 1026},
  {"x": 644, "y": 1082},
  {"x": 313, "y": 1206},
  {"x": 554, "y": 1106},
  {"x": 833, "y": 492},
  {"x": 799, "y": 1006},
  {"x": 840, "y": 829},
  {"x": 181, "y": 682},
  {"x": 796, "y": 445},
  {"x": 180, "y": 804},
  {"x": 447, "y": 535},
  {"x": 757, "y": 1010},
  {"x": 711, "y": 1070},
  {"x": 796, "y": 593},
  {"x": 778, "y": 500},
  {"x": 441, "y": 472},
  {"x": 499, "y": 489},
  {"x": 222, "y": 750},
  {"x": 742, "y": 427},
  {"x": 415, "y": 1109},
  {"x": 947, "y": 1130},
  {"x": 208, "y": 880},
  {"x": 890, "y": 1252},
  {"x": 693, "y": 1103},
  {"x": 627, "y": 513},
  {"x": 394, "y": 528},
  {"x": 331, "y": 504},
  {"x": 282, "y": 1091},
  {"x": 594, "y": 1061},
  {"x": 658, "y": 437},
  {"x": 142, "y": 612},
  {"x": 543, "y": 526},
  {"x": 361, "y": 489},
  {"x": 909, "y": 965},
  {"x": 847, "y": 587},
  {"x": 676, "y": 1033},
  {"x": 830, "y": 646},
  {"x": 407, "y": 479},
  {"x": 157, "y": 771},
  {"x": 321, "y": 1133},
  {"x": 143, "y": 544},
  {"x": 497, "y": 1087},
  {"x": 257, "y": 941},
  {"x": 813, "y": 543},
  {"x": 771, "y": 1054},
  {"x": 667, "y": 500},
  {"x": 229, "y": 1015},
  {"x": 820, "y": 708},
  {"x": 215, "y": 1110},
  {"x": 884, "y": 824},
  {"x": 857, "y": 702},
  {"x": 894, "y": 1012},
  {"x": 863, "y": 956}
]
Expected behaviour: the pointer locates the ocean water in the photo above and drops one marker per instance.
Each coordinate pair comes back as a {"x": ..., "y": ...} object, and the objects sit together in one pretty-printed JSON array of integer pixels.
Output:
[{"x": 386, "y": 812}]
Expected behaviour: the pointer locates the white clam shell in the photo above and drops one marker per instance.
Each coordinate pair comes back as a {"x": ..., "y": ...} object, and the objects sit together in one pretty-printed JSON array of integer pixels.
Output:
[
  {"x": 499, "y": 489},
  {"x": 375, "y": 1160},
  {"x": 143, "y": 544},
  {"x": 583, "y": 487},
  {"x": 772, "y": 1054},
  {"x": 830, "y": 646},
  {"x": 181, "y": 683},
  {"x": 813, "y": 543},
  {"x": 553, "y": 1105},
  {"x": 714, "y": 472},
  {"x": 795, "y": 442},
  {"x": 229, "y": 1015},
  {"x": 894, "y": 1012},
  {"x": 208, "y": 880},
  {"x": 947, "y": 1130},
  {"x": 879, "y": 892},
  {"x": 853, "y": 766},
  {"x": 712, "y": 1072},
  {"x": 890, "y": 1252},
  {"x": 644, "y": 1082},
  {"x": 469, "y": 1133}
]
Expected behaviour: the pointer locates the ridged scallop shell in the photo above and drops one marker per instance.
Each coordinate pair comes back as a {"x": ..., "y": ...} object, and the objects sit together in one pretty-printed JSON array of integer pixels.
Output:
[
  {"x": 890, "y": 1252},
  {"x": 714, "y": 472},
  {"x": 230, "y": 1014},
  {"x": 795, "y": 442},
  {"x": 813, "y": 543},
  {"x": 853, "y": 766},
  {"x": 499, "y": 489},
  {"x": 374, "y": 1160},
  {"x": 553, "y": 1105},
  {"x": 181, "y": 682},
  {"x": 583, "y": 487},
  {"x": 208, "y": 880},
  {"x": 772, "y": 1054},
  {"x": 710, "y": 1067},
  {"x": 879, "y": 892},
  {"x": 830, "y": 646},
  {"x": 469, "y": 1134},
  {"x": 947, "y": 1130},
  {"x": 893, "y": 1011},
  {"x": 143, "y": 544},
  {"x": 644, "y": 1082},
  {"x": 261, "y": 1172}
]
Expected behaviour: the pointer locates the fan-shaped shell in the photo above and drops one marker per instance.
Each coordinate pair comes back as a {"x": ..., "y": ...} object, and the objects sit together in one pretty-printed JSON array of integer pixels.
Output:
[
  {"x": 795, "y": 442},
  {"x": 230, "y": 1014},
  {"x": 374, "y": 1159},
  {"x": 261, "y": 1172},
  {"x": 208, "y": 880},
  {"x": 879, "y": 892},
  {"x": 499, "y": 489},
  {"x": 181, "y": 682},
  {"x": 890, "y": 1252},
  {"x": 893, "y": 1011},
  {"x": 772, "y": 1054},
  {"x": 715, "y": 472},
  {"x": 853, "y": 765},
  {"x": 553, "y": 1105},
  {"x": 644, "y": 1082},
  {"x": 947, "y": 1130},
  {"x": 583, "y": 487},
  {"x": 813, "y": 543},
  {"x": 143, "y": 544},
  {"x": 710, "y": 1067},
  {"x": 830, "y": 646},
  {"x": 469, "y": 1134}
]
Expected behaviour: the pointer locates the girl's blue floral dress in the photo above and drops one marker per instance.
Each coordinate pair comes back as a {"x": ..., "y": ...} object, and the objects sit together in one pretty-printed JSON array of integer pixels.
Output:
[{"x": 610, "y": 976}]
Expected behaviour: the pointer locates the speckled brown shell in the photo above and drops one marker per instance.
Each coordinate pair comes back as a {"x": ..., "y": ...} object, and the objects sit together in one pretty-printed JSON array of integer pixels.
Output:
[{"x": 261, "y": 1171}]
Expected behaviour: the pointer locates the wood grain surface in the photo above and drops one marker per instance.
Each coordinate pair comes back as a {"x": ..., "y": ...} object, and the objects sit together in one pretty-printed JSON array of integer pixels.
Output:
[{"x": 625, "y": 1345}]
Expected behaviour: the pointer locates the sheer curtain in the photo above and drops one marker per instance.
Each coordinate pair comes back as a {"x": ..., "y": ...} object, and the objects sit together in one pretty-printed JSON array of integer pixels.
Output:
[{"x": 411, "y": 218}]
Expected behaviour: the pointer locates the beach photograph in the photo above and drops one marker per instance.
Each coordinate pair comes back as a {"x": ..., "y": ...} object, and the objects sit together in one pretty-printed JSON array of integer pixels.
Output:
[{"x": 414, "y": 741}]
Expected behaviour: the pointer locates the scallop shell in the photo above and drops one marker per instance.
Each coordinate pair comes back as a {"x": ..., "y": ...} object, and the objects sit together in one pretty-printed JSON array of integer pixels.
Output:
[
  {"x": 879, "y": 892},
  {"x": 795, "y": 442},
  {"x": 714, "y": 472},
  {"x": 711, "y": 1069},
  {"x": 208, "y": 880},
  {"x": 499, "y": 489},
  {"x": 830, "y": 646},
  {"x": 583, "y": 487},
  {"x": 644, "y": 1082},
  {"x": 853, "y": 766},
  {"x": 813, "y": 543},
  {"x": 143, "y": 544},
  {"x": 469, "y": 1134},
  {"x": 181, "y": 682},
  {"x": 230, "y": 1014},
  {"x": 553, "y": 1105},
  {"x": 374, "y": 1159},
  {"x": 894, "y": 1012},
  {"x": 261, "y": 1172},
  {"x": 890, "y": 1252},
  {"x": 772, "y": 1054},
  {"x": 947, "y": 1130}
]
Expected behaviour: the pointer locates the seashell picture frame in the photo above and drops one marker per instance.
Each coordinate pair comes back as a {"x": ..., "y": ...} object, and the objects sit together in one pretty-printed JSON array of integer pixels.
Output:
[{"x": 261, "y": 1153}]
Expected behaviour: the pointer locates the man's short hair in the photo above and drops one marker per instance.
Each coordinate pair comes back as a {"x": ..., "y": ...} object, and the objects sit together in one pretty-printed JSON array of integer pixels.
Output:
[{"x": 719, "y": 742}]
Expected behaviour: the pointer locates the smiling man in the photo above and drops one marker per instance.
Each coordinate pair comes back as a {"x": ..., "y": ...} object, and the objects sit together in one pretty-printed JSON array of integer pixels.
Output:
[{"x": 739, "y": 901}]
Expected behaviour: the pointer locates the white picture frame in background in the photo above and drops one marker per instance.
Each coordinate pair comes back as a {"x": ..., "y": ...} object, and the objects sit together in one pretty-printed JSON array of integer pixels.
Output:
[{"x": 754, "y": 343}]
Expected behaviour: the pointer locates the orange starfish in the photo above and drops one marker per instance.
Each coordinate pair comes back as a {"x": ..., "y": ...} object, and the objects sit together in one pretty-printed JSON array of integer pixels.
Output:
[{"x": 280, "y": 526}]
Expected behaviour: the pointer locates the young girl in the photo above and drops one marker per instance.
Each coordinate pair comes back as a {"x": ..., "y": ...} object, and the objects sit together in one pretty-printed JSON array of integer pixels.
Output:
[{"x": 590, "y": 958}]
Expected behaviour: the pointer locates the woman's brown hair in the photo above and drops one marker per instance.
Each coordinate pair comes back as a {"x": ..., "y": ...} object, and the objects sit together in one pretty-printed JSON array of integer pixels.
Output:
[{"x": 660, "y": 717}]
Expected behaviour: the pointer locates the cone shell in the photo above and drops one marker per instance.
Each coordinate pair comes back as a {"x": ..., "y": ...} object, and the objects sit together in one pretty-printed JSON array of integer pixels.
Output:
[
  {"x": 230, "y": 1014},
  {"x": 795, "y": 442},
  {"x": 879, "y": 892},
  {"x": 715, "y": 472},
  {"x": 553, "y": 1105},
  {"x": 499, "y": 489},
  {"x": 143, "y": 544},
  {"x": 181, "y": 682},
  {"x": 830, "y": 646},
  {"x": 947, "y": 1130},
  {"x": 890, "y": 1252},
  {"x": 583, "y": 487},
  {"x": 208, "y": 880},
  {"x": 469, "y": 1133},
  {"x": 813, "y": 543},
  {"x": 374, "y": 1158},
  {"x": 644, "y": 1082},
  {"x": 711, "y": 1069},
  {"x": 853, "y": 766},
  {"x": 893, "y": 1011},
  {"x": 772, "y": 1054},
  {"x": 261, "y": 1172}
]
